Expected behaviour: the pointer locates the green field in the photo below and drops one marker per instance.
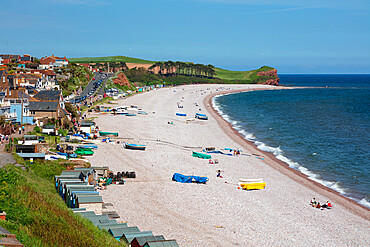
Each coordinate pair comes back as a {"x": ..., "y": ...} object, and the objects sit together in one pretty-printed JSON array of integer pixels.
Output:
[
  {"x": 108, "y": 59},
  {"x": 220, "y": 73}
]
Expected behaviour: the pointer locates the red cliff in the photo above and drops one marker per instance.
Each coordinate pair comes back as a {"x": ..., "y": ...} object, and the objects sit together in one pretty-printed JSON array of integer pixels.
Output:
[
  {"x": 121, "y": 79},
  {"x": 270, "y": 77}
]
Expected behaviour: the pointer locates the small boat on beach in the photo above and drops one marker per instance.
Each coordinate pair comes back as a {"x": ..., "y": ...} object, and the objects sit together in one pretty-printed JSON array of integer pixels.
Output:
[
  {"x": 106, "y": 133},
  {"x": 180, "y": 114},
  {"x": 134, "y": 146},
  {"x": 201, "y": 116}
]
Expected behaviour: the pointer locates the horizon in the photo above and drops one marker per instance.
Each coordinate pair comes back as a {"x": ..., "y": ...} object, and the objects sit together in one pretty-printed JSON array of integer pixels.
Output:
[{"x": 295, "y": 37}]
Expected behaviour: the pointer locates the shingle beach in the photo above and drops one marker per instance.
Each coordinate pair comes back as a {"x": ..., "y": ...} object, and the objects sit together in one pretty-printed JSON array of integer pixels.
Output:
[{"x": 216, "y": 213}]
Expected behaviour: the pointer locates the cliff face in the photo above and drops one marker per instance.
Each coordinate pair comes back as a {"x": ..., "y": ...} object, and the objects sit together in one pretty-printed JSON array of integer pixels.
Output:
[
  {"x": 270, "y": 77},
  {"x": 121, "y": 80},
  {"x": 272, "y": 72}
]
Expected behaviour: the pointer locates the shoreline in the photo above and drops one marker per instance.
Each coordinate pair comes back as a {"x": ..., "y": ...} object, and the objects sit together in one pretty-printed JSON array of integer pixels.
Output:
[{"x": 271, "y": 160}]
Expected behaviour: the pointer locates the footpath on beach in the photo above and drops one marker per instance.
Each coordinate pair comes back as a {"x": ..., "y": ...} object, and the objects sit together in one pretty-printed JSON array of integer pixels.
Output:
[{"x": 217, "y": 212}]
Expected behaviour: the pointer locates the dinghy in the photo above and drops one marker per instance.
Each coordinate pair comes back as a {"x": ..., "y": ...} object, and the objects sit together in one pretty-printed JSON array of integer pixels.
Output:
[{"x": 134, "y": 146}]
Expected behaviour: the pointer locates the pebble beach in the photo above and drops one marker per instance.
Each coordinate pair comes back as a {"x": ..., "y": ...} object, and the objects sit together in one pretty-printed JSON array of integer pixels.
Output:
[{"x": 217, "y": 213}]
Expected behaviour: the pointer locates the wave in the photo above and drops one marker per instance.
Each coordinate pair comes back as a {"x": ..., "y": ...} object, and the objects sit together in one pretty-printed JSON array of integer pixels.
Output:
[
  {"x": 279, "y": 155},
  {"x": 364, "y": 202}
]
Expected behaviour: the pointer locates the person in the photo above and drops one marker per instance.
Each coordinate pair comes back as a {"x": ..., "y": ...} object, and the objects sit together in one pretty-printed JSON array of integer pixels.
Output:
[
  {"x": 219, "y": 174},
  {"x": 23, "y": 129},
  {"x": 313, "y": 202},
  {"x": 318, "y": 205},
  {"x": 20, "y": 130}
]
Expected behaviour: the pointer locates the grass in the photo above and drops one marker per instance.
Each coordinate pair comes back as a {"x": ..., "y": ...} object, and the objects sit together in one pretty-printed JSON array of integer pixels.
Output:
[
  {"x": 109, "y": 59},
  {"x": 239, "y": 75},
  {"x": 37, "y": 214}
]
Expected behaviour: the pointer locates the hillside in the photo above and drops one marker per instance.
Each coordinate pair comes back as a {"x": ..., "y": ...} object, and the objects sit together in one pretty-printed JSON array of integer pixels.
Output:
[
  {"x": 247, "y": 76},
  {"x": 109, "y": 59},
  {"x": 38, "y": 215}
]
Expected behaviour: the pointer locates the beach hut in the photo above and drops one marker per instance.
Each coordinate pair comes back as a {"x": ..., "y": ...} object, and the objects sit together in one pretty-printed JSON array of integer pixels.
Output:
[
  {"x": 87, "y": 127},
  {"x": 117, "y": 233},
  {"x": 30, "y": 139},
  {"x": 32, "y": 155},
  {"x": 141, "y": 241},
  {"x": 99, "y": 219},
  {"x": 91, "y": 203},
  {"x": 56, "y": 179},
  {"x": 78, "y": 209},
  {"x": 71, "y": 200},
  {"x": 61, "y": 184},
  {"x": 101, "y": 171},
  {"x": 128, "y": 237},
  {"x": 75, "y": 188},
  {"x": 108, "y": 226},
  {"x": 161, "y": 243},
  {"x": 86, "y": 213}
]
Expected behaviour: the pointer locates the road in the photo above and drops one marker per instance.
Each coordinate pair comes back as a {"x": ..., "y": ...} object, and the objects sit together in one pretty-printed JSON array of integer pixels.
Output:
[{"x": 93, "y": 85}]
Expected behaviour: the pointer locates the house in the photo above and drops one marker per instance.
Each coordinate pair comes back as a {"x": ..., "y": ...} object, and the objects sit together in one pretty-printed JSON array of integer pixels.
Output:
[
  {"x": 50, "y": 62},
  {"x": 44, "y": 109},
  {"x": 4, "y": 81},
  {"x": 18, "y": 102},
  {"x": 51, "y": 96},
  {"x": 8, "y": 58}
]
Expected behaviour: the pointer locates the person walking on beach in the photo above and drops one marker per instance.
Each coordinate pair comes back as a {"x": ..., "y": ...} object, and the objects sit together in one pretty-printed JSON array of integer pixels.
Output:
[{"x": 219, "y": 174}]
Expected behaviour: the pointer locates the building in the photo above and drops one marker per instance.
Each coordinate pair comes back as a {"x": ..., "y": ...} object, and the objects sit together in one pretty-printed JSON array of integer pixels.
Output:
[
  {"x": 8, "y": 58},
  {"x": 50, "y": 62}
]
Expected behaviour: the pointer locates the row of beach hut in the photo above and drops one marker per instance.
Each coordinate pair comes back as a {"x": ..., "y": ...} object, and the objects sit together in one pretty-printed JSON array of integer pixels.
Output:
[{"x": 77, "y": 192}]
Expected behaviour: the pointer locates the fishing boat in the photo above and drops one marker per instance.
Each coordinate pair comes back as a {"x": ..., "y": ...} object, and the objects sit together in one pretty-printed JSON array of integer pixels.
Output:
[
  {"x": 105, "y": 133},
  {"x": 134, "y": 146},
  {"x": 201, "y": 116}
]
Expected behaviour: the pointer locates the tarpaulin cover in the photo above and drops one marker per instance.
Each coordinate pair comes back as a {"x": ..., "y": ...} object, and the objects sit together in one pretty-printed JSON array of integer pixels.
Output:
[
  {"x": 201, "y": 155},
  {"x": 188, "y": 179}
]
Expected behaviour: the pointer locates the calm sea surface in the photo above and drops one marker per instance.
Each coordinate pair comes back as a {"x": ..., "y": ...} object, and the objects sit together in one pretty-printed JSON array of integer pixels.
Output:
[{"x": 322, "y": 131}]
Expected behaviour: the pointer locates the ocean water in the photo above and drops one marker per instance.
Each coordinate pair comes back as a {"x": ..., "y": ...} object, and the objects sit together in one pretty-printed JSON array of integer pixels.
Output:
[{"x": 322, "y": 130}]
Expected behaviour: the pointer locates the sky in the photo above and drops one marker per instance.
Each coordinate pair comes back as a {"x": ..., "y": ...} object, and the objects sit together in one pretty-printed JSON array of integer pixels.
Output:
[{"x": 294, "y": 36}]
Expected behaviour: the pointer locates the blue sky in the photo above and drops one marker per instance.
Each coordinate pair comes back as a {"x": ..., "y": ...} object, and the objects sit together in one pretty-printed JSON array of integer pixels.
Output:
[{"x": 294, "y": 36}]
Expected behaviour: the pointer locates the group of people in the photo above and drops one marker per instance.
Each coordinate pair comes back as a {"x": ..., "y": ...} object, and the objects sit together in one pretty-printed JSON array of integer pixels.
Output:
[{"x": 316, "y": 204}]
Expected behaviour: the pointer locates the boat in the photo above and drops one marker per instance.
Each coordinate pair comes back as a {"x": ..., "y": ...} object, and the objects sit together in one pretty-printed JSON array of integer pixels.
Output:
[
  {"x": 180, "y": 114},
  {"x": 253, "y": 186},
  {"x": 201, "y": 116},
  {"x": 134, "y": 146},
  {"x": 142, "y": 112},
  {"x": 84, "y": 151},
  {"x": 106, "y": 133},
  {"x": 201, "y": 155},
  {"x": 130, "y": 115}
]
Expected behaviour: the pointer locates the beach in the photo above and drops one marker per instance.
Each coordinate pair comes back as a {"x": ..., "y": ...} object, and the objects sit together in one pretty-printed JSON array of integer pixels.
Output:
[{"x": 216, "y": 213}]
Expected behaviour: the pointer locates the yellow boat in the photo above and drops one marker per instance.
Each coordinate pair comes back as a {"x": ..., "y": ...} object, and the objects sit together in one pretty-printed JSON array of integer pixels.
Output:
[{"x": 253, "y": 186}]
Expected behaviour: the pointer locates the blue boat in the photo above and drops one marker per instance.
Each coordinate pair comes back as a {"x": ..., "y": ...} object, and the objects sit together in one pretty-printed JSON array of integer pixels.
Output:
[
  {"x": 180, "y": 114},
  {"x": 134, "y": 146},
  {"x": 201, "y": 116}
]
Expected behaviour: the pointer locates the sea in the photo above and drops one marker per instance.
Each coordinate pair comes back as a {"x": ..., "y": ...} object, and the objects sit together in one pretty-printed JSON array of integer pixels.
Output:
[{"x": 320, "y": 128}]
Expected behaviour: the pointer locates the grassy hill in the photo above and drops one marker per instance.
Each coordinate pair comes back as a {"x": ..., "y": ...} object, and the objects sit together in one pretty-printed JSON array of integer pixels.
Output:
[
  {"x": 239, "y": 75},
  {"x": 37, "y": 214},
  {"x": 109, "y": 59},
  {"x": 220, "y": 73}
]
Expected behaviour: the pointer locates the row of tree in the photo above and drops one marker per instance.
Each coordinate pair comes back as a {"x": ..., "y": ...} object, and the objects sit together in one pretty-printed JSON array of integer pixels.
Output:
[{"x": 181, "y": 68}]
